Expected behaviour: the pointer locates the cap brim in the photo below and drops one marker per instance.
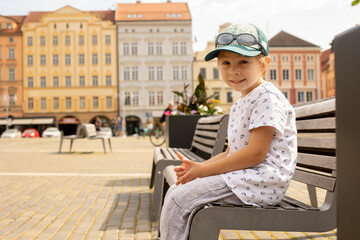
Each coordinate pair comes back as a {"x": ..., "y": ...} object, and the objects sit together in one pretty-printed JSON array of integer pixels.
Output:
[{"x": 242, "y": 50}]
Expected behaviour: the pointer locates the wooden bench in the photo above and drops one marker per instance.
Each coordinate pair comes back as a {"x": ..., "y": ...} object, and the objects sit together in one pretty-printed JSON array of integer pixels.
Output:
[
  {"x": 316, "y": 167},
  {"x": 209, "y": 137},
  {"x": 84, "y": 131}
]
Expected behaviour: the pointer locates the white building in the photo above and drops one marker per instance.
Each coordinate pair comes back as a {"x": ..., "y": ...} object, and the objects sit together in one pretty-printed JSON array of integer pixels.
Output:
[{"x": 154, "y": 58}]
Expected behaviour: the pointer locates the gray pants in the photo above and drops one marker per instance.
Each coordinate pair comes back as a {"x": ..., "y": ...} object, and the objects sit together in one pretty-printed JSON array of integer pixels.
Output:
[{"x": 181, "y": 202}]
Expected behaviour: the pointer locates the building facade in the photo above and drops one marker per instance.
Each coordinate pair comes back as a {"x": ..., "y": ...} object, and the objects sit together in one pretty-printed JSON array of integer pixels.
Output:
[
  {"x": 70, "y": 66},
  {"x": 295, "y": 67},
  {"x": 154, "y": 57},
  {"x": 11, "y": 68},
  {"x": 327, "y": 74}
]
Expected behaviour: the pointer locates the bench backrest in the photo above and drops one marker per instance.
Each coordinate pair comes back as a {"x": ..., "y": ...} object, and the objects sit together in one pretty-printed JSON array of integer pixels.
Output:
[
  {"x": 209, "y": 137},
  {"x": 86, "y": 130},
  {"x": 316, "y": 161}
]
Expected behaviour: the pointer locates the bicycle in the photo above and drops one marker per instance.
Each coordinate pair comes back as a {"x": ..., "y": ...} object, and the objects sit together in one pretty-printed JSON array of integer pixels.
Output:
[{"x": 157, "y": 136}]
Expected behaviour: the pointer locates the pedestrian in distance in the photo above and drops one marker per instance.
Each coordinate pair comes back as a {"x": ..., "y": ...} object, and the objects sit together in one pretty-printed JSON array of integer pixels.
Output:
[{"x": 259, "y": 162}]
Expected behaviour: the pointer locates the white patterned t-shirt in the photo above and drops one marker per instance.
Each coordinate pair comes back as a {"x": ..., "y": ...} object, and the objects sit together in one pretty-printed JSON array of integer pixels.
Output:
[{"x": 267, "y": 182}]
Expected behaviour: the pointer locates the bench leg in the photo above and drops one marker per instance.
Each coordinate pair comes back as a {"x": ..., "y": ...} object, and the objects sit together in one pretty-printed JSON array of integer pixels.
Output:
[
  {"x": 110, "y": 145},
  {"x": 157, "y": 196},
  {"x": 152, "y": 178},
  {"x": 61, "y": 141},
  {"x": 103, "y": 142},
  {"x": 312, "y": 195},
  {"x": 71, "y": 143}
]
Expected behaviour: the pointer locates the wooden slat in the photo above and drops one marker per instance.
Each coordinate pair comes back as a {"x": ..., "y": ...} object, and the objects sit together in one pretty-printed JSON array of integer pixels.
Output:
[
  {"x": 316, "y": 108},
  {"x": 173, "y": 153},
  {"x": 210, "y": 142},
  {"x": 170, "y": 175},
  {"x": 166, "y": 153},
  {"x": 326, "y": 162},
  {"x": 192, "y": 156},
  {"x": 202, "y": 147},
  {"x": 316, "y": 124},
  {"x": 206, "y": 133},
  {"x": 212, "y": 119},
  {"x": 298, "y": 204},
  {"x": 321, "y": 181},
  {"x": 317, "y": 140},
  {"x": 287, "y": 206},
  {"x": 214, "y": 127}
]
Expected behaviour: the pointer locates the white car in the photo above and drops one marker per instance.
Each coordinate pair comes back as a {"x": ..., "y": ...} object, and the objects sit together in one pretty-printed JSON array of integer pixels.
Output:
[
  {"x": 105, "y": 132},
  {"x": 51, "y": 132},
  {"x": 11, "y": 133}
]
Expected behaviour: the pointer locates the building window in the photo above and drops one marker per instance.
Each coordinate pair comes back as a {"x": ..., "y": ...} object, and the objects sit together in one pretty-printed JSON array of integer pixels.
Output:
[
  {"x": 30, "y": 82},
  {"x": 160, "y": 98},
  {"x": 229, "y": 97},
  {"x": 68, "y": 102},
  {"x": 81, "y": 40},
  {"x": 42, "y": 60},
  {"x": 67, "y": 40},
  {"x": 217, "y": 95},
  {"x": 310, "y": 74},
  {"x": 107, "y": 39},
  {"x": 43, "y": 103},
  {"x": 309, "y": 96},
  {"x": 151, "y": 71},
  {"x": 56, "y": 103},
  {"x": 135, "y": 73},
  {"x": 108, "y": 58},
  {"x": 159, "y": 73},
  {"x": 29, "y": 41},
  {"x": 216, "y": 73},
  {"x": 297, "y": 58},
  {"x": 126, "y": 49},
  {"x": 30, "y": 60},
  {"x": 95, "y": 81},
  {"x": 94, "y": 59},
  {"x": 183, "y": 48},
  {"x": 95, "y": 102},
  {"x": 300, "y": 97},
  {"x": 285, "y": 94},
  {"x": 12, "y": 100},
  {"x": 55, "y": 40},
  {"x": 68, "y": 81},
  {"x": 150, "y": 48},
  {"x": 151, "y": 98},
  {"x": 30, "y": 103},
  {"x": 203, "y": 72},
  {"x": 134, "y": 48},
  {"x": 94, "y": 40},
  {"x": 82, "y": 81},
  {"x": 55, "y": 59},
  {"x": 175, "y": 48},
  {"x": 108, "y": 102},
  {"x": 11, "y": 55},
  {"x": 127, "y": 98},
  {"x": 298, "y": 74},
  {"x": 126, "y": 73},
  {"x": 43, "y": 81},
  {"x": 273, "y": 74},
  {"x": 67, "y": 59},
  {"x": 81, "y": 59},
  {"x": 12, "y": 74},
  {"x": 135, "y": 98},
  {"x": 82, "y": 103},
  {"x": 285, "y": 58},
  {"x": 55, "y": 81},
  {"x": 42, "y": 41},
  {"x": 108, "y": 80},
  {"x": 183, "y": 72},
  {"x": 285, "y": 74},
  {"x": 158, "y": 48},
  {"x": 176, "y": 73}
]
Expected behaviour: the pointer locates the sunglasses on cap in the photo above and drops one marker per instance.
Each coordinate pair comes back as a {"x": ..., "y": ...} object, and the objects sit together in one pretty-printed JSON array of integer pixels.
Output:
[{"x": 244, "y": 39}]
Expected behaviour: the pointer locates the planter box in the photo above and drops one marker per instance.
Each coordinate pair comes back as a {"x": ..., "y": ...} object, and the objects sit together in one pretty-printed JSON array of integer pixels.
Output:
[{"x": 180, "y": 130}]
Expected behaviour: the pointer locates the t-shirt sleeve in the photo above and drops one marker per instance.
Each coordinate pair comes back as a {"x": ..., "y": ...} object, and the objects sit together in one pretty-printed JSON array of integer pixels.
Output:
[{"x": 269, "y": 110}]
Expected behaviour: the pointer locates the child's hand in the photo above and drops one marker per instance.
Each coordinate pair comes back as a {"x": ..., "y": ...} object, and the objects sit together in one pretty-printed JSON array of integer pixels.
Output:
[{"x": 188, "y": 171}]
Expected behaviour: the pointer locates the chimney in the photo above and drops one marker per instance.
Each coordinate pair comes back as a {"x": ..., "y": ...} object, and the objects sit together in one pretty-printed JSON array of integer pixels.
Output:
[
  {"x": 168, "y": 1},
  {"x": 138, "y": 1}
]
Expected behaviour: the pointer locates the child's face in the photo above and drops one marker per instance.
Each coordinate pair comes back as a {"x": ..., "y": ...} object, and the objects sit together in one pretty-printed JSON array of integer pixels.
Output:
[{"x": 239, "y": 72}]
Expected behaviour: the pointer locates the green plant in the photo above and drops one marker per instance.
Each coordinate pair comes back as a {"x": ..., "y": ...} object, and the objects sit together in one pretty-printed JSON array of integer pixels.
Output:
[{"x": 198, "y": 102}]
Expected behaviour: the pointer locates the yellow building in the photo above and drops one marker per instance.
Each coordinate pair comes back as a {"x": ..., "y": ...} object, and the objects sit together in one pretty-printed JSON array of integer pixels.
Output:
[
  {"x": 11, "y": 75},
  {"x": 327, "y": 74},
  {"x": 70, "y": 66}
]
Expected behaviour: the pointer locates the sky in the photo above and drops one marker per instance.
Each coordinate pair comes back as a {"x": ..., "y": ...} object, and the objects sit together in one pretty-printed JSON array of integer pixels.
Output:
[{"x": 315, "y": 21}]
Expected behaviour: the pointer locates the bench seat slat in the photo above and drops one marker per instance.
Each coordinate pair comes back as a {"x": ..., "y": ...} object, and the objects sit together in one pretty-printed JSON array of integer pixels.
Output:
[
  {"x": 166, "y": 153},
  {"x": 192, "y": 156},
  {"x": 325, "y": 107},
  {"x": 213, "y": 127},
  {"x": 206, "y": 133},
  {"x": 321, "y": 181},
  {"x": 202, "y": 147},
  {"x": 210, "y": 142},
  {"x": 298, "y": 204},
  {"x": 317, "y": 140},
  {"x": 316, "y": 124},
  {"x": 326, "y": 162}
]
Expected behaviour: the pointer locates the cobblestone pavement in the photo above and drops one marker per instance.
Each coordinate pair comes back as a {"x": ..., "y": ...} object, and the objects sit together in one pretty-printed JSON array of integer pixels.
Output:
[{"x": 87, "y": 194}]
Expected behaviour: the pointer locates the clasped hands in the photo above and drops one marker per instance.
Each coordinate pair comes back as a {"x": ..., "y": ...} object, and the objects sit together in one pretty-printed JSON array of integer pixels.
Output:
[{"x": 188, "y": 170}]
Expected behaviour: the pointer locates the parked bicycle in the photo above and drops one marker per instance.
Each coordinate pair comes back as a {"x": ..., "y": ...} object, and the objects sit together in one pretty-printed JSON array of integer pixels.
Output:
[{"x": 157, "y": 136}]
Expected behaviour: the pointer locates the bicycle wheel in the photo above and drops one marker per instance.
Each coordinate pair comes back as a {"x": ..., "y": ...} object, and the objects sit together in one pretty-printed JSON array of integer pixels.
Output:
[{"x": 157, "y": 137}]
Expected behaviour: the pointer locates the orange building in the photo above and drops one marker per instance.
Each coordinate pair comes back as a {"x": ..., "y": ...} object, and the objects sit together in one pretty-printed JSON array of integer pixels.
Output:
[
  {"x": 11, "y": 68},
  {"x": 295, "y": 67},
  {"x": 327, "y": 74}
]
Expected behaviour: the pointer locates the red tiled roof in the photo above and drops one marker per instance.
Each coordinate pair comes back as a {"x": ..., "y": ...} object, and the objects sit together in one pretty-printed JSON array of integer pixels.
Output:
[
  {"x": 284, "y": 39},
  {"x": 18, "y": 19},
  {"x": 152, "y": 11},
  {"x": 324, "y": 59}
]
